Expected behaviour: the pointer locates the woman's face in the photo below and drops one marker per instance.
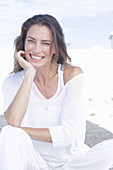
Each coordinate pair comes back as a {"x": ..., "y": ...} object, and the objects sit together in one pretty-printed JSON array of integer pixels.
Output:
[{"x": 38, "y": 46}]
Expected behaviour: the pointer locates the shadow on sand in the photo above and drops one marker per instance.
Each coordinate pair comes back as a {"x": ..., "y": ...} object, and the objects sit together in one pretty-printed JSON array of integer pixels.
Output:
[{"x": 96, "y": 134}]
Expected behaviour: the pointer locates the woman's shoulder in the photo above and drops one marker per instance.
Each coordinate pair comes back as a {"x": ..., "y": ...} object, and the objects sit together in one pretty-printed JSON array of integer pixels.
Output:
[
  {"x": 70, "y": 72},
  {"x": 14, "y": 78}
]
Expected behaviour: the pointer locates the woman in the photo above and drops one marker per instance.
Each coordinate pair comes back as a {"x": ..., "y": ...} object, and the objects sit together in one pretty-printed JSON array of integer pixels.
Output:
[{"x": 44, "y": 106}]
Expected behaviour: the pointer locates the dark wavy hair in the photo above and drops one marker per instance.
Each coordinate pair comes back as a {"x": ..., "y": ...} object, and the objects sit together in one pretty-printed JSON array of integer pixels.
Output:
[{"x": 61, "y": 55}]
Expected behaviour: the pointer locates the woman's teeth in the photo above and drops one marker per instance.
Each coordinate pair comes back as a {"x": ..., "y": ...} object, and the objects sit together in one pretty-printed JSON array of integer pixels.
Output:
[{"x": 36, "y": 58}]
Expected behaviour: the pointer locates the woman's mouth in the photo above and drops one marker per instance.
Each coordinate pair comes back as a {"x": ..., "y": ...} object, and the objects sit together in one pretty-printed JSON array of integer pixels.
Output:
[{"x": 36, "y": 57}]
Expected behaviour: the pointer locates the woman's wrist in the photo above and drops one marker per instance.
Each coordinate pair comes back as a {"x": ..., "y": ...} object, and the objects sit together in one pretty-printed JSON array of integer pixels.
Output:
[{"x": 30, "y": 74}]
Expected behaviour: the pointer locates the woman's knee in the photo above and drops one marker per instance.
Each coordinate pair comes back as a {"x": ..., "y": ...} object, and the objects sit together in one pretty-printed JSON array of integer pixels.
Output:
[
  {"x": 6, "y": 130},
  {"x": 10, "y": 133},
  {"x": 7, "y": 127}
]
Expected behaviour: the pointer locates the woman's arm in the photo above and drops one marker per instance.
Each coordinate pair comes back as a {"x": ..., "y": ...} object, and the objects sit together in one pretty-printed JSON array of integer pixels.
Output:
[
  {"x": 40, "y": 134},
  {"x": 72, "y": 126},
  {"x": 17, "y": 109}
]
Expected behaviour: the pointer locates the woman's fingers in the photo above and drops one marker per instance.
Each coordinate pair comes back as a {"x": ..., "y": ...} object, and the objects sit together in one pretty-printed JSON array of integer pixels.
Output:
[{"x": 20, "y": 55}]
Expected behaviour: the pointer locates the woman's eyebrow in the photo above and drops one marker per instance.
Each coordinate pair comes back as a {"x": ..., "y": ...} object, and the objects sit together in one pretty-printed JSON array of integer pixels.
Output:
[
  {"x": 46, "y": 40},
  {"x": 41, "y": 40},
  {"x": 31, "y": 37}
]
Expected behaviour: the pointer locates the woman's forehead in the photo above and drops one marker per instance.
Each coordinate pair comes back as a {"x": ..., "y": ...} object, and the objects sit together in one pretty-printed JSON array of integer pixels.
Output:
[{"x": 40, "y": 31}]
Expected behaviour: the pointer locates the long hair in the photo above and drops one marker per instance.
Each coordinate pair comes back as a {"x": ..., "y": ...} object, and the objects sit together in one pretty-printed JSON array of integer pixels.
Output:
[{"x": 61, "y": 56}]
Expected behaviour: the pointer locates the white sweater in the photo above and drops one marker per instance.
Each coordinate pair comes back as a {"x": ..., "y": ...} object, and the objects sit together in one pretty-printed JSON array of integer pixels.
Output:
[{"x": 63, "y": 114}]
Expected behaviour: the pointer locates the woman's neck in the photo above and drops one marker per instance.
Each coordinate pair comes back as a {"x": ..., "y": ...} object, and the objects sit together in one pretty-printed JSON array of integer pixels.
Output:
[{"x": 43, "y": 75}]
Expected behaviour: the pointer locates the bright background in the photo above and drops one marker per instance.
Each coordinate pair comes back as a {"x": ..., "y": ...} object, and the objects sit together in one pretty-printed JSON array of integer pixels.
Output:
[{"x": 87, "y": 25}]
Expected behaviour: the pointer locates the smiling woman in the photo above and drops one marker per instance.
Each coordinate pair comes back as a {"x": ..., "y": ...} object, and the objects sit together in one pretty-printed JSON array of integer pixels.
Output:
[
  {"x": 38, "y": 46},
  {"x": 44, "y": 106},
  {"x": 50, "y": 36}
]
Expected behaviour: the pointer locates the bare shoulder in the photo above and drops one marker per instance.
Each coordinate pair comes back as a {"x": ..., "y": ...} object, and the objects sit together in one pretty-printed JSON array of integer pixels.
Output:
[{"x": 71, "y": 72}]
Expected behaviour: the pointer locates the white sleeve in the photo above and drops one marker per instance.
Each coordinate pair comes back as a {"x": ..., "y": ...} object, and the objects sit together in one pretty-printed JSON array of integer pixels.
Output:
[
  {"x": 10, "y": 87},
  {"x": 72, "y": 127}
]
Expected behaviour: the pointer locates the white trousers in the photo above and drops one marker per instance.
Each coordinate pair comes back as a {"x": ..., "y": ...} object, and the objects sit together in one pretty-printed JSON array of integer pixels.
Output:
[{"x": 17, "y": 153}]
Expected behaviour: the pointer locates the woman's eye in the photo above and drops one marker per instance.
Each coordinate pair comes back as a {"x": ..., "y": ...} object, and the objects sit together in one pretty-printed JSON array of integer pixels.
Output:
[
  {"x": 30, "y": 41},
  {"x": 46, "y": 44}
]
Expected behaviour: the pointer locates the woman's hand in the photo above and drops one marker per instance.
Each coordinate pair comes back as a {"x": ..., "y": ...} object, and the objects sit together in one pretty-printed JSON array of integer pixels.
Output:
[{"x": 23, "y": 63}]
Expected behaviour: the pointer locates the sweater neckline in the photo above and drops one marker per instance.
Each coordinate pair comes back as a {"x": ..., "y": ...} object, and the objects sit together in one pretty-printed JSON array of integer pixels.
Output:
[
  {"x": 35, "y": 89},
  {"x": 39, "y": 94}
]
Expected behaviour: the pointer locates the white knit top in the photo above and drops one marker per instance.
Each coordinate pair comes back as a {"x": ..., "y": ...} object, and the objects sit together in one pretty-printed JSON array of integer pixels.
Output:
[{"x": 63, "y": 114}]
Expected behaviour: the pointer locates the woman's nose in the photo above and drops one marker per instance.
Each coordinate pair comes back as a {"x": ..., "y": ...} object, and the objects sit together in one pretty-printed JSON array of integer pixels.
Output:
[{"x": 37, "y": 48}]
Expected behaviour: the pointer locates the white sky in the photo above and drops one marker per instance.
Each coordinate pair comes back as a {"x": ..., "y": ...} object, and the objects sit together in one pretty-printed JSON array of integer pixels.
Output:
[{"x": 86, "y": 23}]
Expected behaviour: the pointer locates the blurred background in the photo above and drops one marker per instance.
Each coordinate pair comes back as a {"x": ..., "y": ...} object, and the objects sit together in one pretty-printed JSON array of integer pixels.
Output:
[{"x": 88, "y": 30}]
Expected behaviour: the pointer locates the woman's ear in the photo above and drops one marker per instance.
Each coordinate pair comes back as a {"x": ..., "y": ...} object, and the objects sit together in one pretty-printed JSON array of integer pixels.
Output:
[
  {"x": 53, "y": 56},
  {"x": 53, "y": 53}
]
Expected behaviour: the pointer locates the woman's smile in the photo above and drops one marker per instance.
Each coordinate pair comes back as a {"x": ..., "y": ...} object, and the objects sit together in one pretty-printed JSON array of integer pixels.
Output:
[{"x": 36, "y": 57}]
